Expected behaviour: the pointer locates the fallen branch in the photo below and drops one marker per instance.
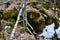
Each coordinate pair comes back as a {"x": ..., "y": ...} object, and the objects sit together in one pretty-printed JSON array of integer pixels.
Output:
[{"x": 17, "y": 21}]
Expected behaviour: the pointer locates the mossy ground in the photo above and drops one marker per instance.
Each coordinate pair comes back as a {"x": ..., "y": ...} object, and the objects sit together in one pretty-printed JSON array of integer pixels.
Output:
[{"x": 37, "y": 20}]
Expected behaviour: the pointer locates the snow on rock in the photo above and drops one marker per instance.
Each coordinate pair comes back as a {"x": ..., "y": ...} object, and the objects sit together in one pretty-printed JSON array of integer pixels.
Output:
[
  {"x": 7, "y": 27},
  {"x": 58, "y": 32},
  {"x": 48, "y": 31}
]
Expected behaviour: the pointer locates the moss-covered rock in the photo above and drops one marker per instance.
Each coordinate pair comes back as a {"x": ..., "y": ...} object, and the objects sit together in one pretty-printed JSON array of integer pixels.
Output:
[
  {"x": 10, "y": 13},
  {"x": 36, "y": 20},
  {"x": 39, "y": 26},
  {"x": 41, "y": 19}
]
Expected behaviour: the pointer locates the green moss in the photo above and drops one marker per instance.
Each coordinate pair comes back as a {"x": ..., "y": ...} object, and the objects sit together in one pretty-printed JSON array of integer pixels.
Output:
[
  {"x": 10, "y": 13},
  {"x": 46, "y": 5},
  {"x": 0, "y": 16},
  {"x": 56, "y": 21},
  {"x": 1, "y": 35},
  {"x": 50, "y": 16},
  {"x": 21, "y": 23},
  {"x": 48, "y": 21},
  {"x": 1, "y": 12},
  {"x": 1, "y": 29},
  {"x": 9, "y": 31},
  {"x": 40, "y": 26},
  {"x": 42, "y": 11},
  {"x": 58, "y": 12},
  {"x": 12, "y": 20},
  {"x": 33, "y": 4}
]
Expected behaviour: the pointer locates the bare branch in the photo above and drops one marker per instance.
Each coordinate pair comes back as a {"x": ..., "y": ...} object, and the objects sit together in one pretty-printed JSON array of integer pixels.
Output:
[{"x": 17, "y": 21}]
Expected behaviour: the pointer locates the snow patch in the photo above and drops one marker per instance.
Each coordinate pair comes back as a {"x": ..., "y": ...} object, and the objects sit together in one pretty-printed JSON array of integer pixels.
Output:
[{"x": 48, "y": 31}]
